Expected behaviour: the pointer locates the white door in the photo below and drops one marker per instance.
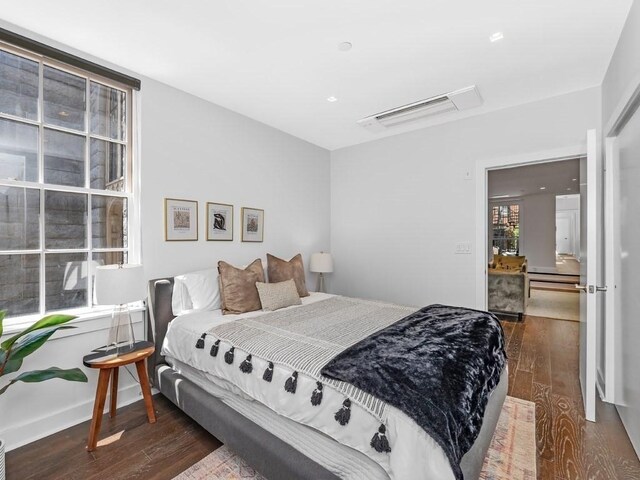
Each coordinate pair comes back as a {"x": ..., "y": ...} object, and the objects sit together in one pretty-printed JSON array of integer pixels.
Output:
[
  {"x": 564, "y": 242},
  {"x": 590, "y": 198}
]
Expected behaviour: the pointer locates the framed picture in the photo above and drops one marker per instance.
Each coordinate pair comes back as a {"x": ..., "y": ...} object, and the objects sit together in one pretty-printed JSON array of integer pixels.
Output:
[
  {"x": 180, "y": 220},
  {"x": 219, "y": 221},
  {"x": 252, "y": 224}
]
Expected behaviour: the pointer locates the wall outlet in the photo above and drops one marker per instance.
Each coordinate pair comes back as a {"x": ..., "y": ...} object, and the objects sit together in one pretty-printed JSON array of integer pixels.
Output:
[
  {"x": 463, "y": 248},
  {"x": 468, "y": 175}
]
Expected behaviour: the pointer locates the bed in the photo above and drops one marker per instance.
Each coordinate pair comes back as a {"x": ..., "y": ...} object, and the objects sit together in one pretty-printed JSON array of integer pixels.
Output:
[{"x": 279, "y": 438}]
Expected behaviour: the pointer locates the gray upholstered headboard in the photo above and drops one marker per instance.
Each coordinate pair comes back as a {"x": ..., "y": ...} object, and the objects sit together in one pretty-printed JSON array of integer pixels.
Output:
[{"x": 159, "y": 314}]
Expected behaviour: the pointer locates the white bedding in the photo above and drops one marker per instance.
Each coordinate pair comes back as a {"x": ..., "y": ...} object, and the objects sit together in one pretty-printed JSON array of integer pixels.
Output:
[{"x": 414, "y": 454}]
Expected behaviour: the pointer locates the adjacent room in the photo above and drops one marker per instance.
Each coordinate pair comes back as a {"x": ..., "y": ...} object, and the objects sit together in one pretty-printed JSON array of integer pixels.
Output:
[
  {"x": 534, "y": 239},
  {"x": 288, "y": 240}
]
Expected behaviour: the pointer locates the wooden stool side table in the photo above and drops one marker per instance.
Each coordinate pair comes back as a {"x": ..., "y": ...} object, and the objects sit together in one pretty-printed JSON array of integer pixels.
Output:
[{"x": 109, "y": 365}]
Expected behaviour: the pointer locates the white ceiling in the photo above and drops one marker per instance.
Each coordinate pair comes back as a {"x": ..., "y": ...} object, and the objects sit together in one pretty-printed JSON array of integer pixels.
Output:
[
  {"x": 558, "y": 178},
  {"x": 277, "y": 61}
]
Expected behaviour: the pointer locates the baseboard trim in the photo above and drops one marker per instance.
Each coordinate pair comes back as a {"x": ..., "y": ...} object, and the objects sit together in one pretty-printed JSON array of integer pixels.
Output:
[{"x": 36, "y": 428}]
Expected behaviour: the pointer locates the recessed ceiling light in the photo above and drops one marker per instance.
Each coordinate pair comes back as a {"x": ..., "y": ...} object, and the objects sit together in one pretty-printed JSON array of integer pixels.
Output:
[
  {"x": 332, "y": 99},
  {"x": 345, "y": 46},
  {"x": 496, "y": 36},
  {"x": 543, "y": 188},
  {"x": 63, "y": 113},
  {"x": 568, "y": 189},
  {"x": 574, "y": 179}
]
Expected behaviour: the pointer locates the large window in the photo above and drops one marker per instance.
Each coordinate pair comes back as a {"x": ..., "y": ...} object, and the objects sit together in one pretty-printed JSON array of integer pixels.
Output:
[
  {"x": 65, "y": 150},
  {"x": 505, "y": 223}
]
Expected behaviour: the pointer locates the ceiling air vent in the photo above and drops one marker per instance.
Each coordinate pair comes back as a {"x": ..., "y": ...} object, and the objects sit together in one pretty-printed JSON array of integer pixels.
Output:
[{"x": 449, "y": 102}]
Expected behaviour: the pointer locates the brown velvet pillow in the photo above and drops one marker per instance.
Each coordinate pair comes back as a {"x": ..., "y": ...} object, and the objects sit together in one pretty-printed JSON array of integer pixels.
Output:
[
  {"x": 280, "y": 270},
  {"x": 238, "y": 287}
]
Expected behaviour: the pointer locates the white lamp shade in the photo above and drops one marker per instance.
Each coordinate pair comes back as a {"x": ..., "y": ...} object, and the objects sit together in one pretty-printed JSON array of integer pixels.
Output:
[
  {"x": 321, "y": 263},
  {"x": 119, "y": 284}
]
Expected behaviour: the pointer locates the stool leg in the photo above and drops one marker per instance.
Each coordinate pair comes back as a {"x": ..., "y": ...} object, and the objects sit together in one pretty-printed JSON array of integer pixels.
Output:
[
  {"x": 98, "y": 408},
  {"x": 146, "y": 390},
  {"x": 114, "y": 392}
]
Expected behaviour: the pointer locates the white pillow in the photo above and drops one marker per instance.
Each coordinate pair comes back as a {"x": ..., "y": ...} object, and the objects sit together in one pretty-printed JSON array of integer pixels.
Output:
[{"x": 196, "y": 291}]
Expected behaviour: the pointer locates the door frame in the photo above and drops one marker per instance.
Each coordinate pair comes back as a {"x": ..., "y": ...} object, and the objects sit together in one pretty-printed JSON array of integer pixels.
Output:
[{"x": 483, "y": 166}]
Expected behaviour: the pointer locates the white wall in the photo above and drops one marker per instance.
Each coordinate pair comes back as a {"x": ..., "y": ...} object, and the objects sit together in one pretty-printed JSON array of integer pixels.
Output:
[
  {"x": 400, "y": 204},
  {"x": 194, "y": 150},
  {"x": 622, "y": 76},
  {"x": 539, "y": 232}
]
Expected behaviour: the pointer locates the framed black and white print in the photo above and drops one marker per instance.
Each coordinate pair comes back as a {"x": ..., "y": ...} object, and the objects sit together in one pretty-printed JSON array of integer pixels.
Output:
[
  {"x": 180, "y": 220},
  {"x": 252, "y": 224},
  {"x": 219, "y": 221}
]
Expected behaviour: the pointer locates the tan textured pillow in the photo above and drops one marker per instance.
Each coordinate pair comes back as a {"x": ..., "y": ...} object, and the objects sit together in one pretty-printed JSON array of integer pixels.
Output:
[
  {"x": 238, "y": 287},
  {"x": 280, "y": 270},
  {"x": 274, "y": 296}
]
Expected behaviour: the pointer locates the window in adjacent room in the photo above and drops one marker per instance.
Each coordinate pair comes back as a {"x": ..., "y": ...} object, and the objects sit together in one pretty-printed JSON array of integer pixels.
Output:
[
  {"x": 65, "y": 181},
  {"x": 505, "y": 223}
]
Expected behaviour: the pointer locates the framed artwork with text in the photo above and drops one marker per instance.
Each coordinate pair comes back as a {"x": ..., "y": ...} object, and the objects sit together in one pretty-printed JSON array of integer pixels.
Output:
[{"x": 180, "y": 220}]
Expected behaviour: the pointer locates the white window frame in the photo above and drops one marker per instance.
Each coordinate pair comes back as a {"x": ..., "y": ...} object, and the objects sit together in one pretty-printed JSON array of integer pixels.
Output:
[{"x": 131, "y": 185}]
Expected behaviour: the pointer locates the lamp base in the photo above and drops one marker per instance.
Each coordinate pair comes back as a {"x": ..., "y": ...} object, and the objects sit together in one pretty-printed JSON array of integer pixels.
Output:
[
  {"x": 320, "y": 285},
  {"x": 121, "y": 337}
]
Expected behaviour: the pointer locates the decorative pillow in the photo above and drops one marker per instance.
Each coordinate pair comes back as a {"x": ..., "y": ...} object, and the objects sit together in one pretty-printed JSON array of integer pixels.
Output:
[
  {"x": 280, "y": 270},
  {"x": 195, "y": 291},
  {"x": 180, "y": 301},
  {"x": 238, "y": 287},
  {"x": 274, "y": 296}
]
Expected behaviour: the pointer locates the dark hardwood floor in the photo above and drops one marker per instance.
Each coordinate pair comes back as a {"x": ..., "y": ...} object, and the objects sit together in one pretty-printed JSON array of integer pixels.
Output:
[{"x": 543, "y": 368}]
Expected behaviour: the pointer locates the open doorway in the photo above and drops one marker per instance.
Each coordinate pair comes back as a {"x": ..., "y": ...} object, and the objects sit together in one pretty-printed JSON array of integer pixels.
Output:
[{"x": 534, "y": 240}]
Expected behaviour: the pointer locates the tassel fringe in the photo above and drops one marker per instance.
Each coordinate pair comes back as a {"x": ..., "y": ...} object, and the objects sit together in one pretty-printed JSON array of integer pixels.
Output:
[
  {"x": 316, "y": 396},
  {"x": 200, "y": 342},
  {"x": 214, "y": 348},
  {"x": 246, "y": 366},
  {"x": 228, "y": 357},
  {"x": 379, "y": 441},
  {"x": 343, "y": 415},
  {"x": 291, "y": 383},
  {"x": 267, "y": 376}
]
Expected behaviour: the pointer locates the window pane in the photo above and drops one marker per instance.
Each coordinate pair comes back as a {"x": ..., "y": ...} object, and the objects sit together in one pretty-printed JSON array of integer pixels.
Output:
[
  {"x": 20, "y": 284},
  {"x": 108, "y": 114},
  {"x": 18, "y": 86},
  {"x": 18, "y": 151},
  {"x": 109, "y": 258},
  {"x": 63, "y": 158},
  {"x": 19, "y": 218},
  {"x": 109, "y": 222},
  {"x": 65, "y": 220},
  {"x": 107, "y": 165},
  {"x": 66, "y": 280},
  {"x": 64, "y": 99}
]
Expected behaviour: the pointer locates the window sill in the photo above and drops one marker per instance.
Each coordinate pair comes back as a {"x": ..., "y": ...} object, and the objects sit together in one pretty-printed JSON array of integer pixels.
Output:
[{"x": 84, "y": 315}]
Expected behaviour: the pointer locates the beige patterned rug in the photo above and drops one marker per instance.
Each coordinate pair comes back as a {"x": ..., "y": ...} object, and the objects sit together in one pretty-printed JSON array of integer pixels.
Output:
[{"x": 511, "y": 456}]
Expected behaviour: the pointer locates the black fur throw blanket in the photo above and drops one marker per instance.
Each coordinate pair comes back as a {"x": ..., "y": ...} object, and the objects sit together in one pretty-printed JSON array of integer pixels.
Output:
[{"x": 437, "y": 365}]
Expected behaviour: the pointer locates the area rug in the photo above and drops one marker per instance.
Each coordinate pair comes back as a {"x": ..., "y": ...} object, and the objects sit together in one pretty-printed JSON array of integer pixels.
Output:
[
  {"x": 511, "y": 456},
  {"x": 550, "y": 304}
]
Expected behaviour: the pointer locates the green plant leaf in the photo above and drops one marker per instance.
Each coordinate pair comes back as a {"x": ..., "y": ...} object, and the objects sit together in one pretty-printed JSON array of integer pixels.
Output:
[
  {"x": 45, "y": 322},
  {"x": 71, "y": 375},
  {"x": 12, "y": 366},
  {"x": 2, "y": 315},
  {"x": 32, "y": 341}
]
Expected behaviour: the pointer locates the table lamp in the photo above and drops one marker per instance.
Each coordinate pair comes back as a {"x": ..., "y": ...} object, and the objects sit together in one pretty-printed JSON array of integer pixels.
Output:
[
  {"x": 120, "y": 285},
  {"x": 321, "y": 263}
]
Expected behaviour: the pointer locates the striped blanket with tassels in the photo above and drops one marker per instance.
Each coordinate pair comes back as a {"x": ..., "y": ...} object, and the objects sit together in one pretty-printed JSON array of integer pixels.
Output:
[{"x": 306, "y": 338}]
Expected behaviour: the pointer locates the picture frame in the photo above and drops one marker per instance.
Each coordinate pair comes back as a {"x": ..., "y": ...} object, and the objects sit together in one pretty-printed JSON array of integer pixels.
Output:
[
  {"x": 252, "y": 224},
  {"x": 180, "y": 220},
  {"x": 219, "y": 222}
]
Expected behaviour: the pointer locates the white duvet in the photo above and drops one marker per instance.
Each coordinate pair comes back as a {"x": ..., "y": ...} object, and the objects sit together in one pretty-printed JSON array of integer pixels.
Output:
[{"x": 414, "y": 454}]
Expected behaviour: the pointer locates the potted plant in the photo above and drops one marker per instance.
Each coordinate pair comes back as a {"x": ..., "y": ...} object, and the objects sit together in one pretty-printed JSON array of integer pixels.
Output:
[{"x": 16, "y": 348}]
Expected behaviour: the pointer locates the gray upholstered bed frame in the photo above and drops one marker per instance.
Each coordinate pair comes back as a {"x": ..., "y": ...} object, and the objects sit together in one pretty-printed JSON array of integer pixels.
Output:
[{"x": 272, "y": 457}]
